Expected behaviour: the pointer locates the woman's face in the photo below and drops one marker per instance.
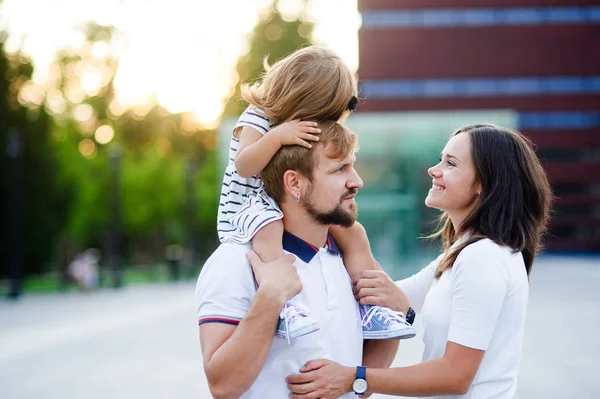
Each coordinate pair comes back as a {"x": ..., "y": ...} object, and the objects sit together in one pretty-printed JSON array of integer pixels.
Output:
[{"x": 454, "y": 189}]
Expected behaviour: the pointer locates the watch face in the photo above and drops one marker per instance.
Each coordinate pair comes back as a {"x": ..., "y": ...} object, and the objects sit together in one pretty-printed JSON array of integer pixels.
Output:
[{"x": 359, "y": 385}]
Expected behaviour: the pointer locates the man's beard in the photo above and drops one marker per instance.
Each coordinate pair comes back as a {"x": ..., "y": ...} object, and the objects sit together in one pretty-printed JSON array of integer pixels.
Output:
[{"x": 337, "y": 216}]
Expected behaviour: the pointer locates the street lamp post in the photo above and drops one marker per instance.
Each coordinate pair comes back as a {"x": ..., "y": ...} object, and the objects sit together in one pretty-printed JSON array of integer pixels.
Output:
[
  {"x": 115, "y": 258},
  {"x": 190, "y": 209},
  {"x": 14, "y": 214}
]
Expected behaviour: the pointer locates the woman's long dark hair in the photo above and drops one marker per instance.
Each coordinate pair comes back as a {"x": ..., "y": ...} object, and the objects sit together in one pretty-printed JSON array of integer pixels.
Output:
[{"x": 514, "y": 204}]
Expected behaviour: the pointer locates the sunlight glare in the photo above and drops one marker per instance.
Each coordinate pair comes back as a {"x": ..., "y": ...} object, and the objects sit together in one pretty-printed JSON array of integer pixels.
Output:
[{"x": 180, "y": 53}]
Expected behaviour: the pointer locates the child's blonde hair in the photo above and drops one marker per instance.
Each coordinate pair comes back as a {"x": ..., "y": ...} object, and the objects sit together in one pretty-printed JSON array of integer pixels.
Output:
[{"x": 312, "y": 83}]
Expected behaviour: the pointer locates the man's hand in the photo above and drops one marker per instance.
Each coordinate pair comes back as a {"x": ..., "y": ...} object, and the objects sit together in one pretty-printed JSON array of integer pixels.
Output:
[
  {"x": 278, "y": 278},
  {"x": 323, "y": 379},
  {"x": 375, "y": 287},
  {"x": 296, "y": 132}
]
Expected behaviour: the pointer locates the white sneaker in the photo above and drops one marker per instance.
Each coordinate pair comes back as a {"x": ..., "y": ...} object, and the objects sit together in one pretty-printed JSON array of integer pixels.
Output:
[
  {"x": 295, "y": 321},
  {"x": 384, "y": 323}
]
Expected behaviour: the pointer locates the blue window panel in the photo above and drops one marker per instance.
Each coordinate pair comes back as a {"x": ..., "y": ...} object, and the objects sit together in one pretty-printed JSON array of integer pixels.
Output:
[
  {"x": 475, "y": 17},
  {"x": 529, "y": 120},
  {"x": 565, "y": 14},
  {"x": 592, "y": 119},
  {"x": 565, "y": 85},
  {"x": 559, "y": 120},
  {"x": 479, "y": 87},
  {"x": 566, "y": 120},
  {"x": 388, "y": 89},
  {"x": 439, "y": 88},
  {"x": 520, "y": 16},
  {"x": 519, "y": 86},
  {"x": 593, "y": 85},
  {"x": 435, "y": 18},
  {"x": 391, "y": 19},
  {"x": 593, "y": 14},
  {"x": 481, "y": 17},
  {"x": 404, "y": 88}
]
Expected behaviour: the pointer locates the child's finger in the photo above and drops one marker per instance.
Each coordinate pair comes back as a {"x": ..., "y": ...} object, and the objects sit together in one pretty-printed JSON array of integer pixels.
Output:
[
  {"x": 309, "y": 123},
  {"x": 306, "y": 136},
  {"x": 308, "y": 129},
  {"x": 303, "y": 143}
]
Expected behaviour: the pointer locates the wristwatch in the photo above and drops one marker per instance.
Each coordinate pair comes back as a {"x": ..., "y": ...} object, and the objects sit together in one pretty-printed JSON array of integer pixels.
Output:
[
  {"x": 360, "y": 383},
  {"x": 410, "y": 316}
]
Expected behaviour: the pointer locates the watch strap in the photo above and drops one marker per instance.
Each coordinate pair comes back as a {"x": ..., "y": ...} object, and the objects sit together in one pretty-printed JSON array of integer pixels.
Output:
[
  {"x": 361, "y": 372},
  {"x": 410, "y": 316}
]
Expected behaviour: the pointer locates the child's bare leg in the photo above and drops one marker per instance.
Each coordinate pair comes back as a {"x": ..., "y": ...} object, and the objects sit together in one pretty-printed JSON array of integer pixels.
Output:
[
  {"x": 354, "y": 244},
  {"x": 267, "y": 242},
  {"x": 355, "y": 247}
]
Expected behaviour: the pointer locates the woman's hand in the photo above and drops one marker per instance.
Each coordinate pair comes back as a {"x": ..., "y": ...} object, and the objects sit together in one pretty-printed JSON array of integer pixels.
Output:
[
  {"x": 375, "y": 287},
  {"x": 322, "y": 379}
]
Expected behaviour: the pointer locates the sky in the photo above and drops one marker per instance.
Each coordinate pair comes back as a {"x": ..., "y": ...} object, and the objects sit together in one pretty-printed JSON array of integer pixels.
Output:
[{"x": 205, "y": 36}]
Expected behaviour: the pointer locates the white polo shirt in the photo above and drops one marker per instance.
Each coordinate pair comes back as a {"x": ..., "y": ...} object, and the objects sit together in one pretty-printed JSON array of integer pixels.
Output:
[
  {"x": 225, "y": 291},
  {"x": 479, "y": 303}
]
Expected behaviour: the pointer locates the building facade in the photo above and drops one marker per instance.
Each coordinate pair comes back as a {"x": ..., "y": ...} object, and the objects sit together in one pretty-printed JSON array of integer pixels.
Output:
[{"x": 539, "y": 60}]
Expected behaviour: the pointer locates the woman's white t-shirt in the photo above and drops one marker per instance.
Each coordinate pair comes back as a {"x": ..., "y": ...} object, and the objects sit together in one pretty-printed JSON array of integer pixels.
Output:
[{"x": 479, "y": 303}]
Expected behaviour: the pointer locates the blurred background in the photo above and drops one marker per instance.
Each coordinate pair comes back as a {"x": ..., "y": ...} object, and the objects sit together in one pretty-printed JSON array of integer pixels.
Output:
[{"x": 115, "y": 120}]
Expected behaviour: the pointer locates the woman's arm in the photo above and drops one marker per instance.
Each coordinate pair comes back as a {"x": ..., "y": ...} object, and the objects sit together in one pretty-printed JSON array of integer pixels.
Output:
[
  {"x": 450, "y": 375},
  {"x": 375, "y": 287}
]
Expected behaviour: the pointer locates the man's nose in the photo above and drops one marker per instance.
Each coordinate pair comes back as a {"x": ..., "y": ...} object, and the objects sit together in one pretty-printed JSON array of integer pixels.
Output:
[{"x": 355, "y": 181}]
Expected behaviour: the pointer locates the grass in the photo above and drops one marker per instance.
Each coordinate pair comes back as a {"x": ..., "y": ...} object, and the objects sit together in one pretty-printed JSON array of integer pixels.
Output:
[{"x": 137, "y": 274}]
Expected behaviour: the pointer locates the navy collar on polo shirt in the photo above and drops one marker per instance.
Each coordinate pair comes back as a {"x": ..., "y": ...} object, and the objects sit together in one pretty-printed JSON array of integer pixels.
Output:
[{"x": 304, "y": 250}]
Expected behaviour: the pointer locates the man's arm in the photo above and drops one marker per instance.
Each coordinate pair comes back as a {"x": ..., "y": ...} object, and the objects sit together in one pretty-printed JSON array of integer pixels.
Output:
[{"x": 235, "y": 355}]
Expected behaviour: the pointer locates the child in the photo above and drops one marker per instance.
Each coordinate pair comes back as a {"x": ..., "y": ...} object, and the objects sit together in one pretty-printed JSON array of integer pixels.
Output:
[{"x": 310, "y": 84}]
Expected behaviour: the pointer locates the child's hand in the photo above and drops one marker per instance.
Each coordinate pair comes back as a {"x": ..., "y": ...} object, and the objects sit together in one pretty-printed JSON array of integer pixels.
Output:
[{"x": 296, "y": 132}]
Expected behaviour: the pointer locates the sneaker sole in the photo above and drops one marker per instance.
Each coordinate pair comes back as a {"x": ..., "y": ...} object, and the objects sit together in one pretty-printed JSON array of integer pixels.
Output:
[
  {"x": 400, "y": 334},
  {"x": 299, "y": 333}
]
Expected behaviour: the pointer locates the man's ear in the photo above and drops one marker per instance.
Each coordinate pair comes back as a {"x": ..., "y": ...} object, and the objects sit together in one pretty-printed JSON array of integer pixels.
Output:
[{"x": 291, "y": 183}]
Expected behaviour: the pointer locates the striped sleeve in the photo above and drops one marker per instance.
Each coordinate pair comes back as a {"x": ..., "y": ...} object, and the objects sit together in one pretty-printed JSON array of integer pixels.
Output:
[
  {"x": 255, "y": 118},
  {"x": 225, "y": 288}
]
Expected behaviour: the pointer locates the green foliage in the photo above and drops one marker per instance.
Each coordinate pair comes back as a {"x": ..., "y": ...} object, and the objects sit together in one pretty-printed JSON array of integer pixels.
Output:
[
  {"x": 43, "y": 208},
  {"x": 66, "y": 194}
]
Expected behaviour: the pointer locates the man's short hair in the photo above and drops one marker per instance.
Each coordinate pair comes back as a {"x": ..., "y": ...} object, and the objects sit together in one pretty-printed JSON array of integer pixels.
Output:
[{"x": 337, "y": 140}]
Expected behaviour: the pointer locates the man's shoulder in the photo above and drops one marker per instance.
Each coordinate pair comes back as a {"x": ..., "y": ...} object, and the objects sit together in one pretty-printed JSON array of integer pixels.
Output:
[
  {"x": 228, "y": 256},
  {"x": 232, "y": 248}
]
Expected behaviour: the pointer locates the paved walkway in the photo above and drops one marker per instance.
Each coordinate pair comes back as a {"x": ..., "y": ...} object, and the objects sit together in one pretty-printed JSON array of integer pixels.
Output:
[{"x": 143, "y": 342}]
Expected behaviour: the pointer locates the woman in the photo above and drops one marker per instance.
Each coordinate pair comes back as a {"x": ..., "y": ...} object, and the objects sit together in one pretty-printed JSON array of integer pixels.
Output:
[{"x": 495, "y": 199}]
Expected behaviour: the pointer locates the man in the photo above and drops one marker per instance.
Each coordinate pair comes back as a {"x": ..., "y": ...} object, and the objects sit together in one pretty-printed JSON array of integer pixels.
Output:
[{"x": 315, "y": 189}]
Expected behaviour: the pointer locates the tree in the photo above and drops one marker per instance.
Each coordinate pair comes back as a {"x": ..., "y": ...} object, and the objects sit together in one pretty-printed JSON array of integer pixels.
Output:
[
  {"x": 41, "y": 212},
  {"x": 66, "y": 174}
]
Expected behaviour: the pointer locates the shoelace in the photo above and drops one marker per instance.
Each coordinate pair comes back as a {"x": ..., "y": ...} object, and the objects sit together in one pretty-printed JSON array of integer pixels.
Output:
[
  {"x": 383, "y": 313},
  {"x": 295, "y": 309}
]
